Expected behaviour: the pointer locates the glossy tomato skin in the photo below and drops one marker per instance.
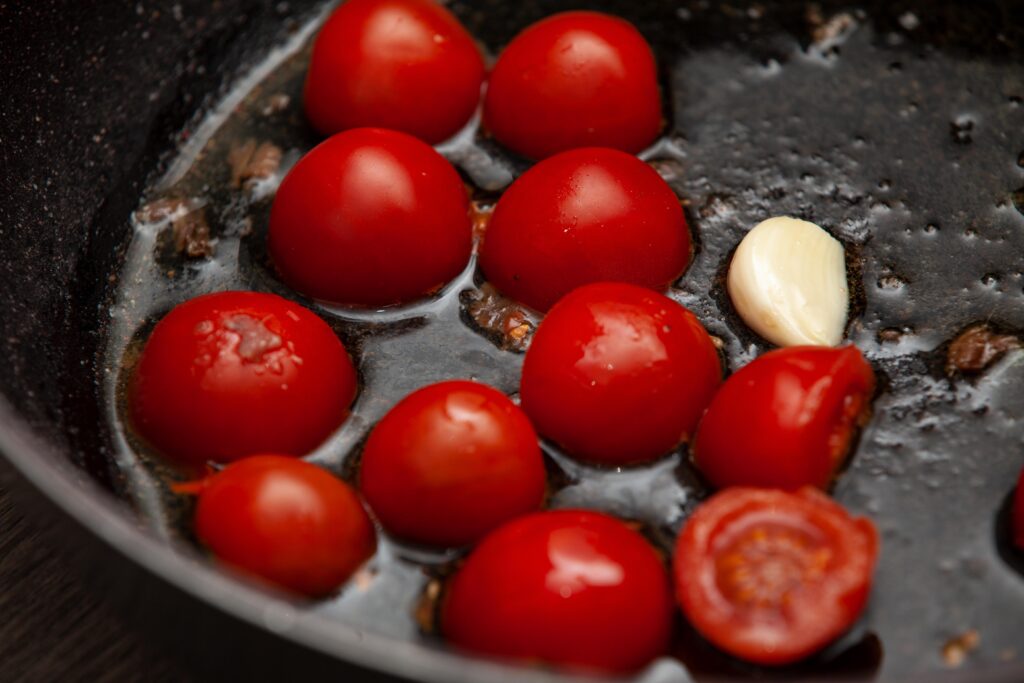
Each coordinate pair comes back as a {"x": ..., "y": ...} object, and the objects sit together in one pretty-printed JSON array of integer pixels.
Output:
[
  {"x": 370, "y": 217},
  {"x": 786, "y": 419},
  {"x": 576, "y": 79},
  {"x": 589, "y": 215},
  {"x": 569, "y": 587},
  {"x": 1018, "y": 513},
  {"x": 450, "y": 462},
  {"x": 229, "y": 374},
  {"x": 772, "y": 576},
  {"x": 407, "y": 65},
  {"x": 617, "y": 374},
  {"x": 285, "y": 521}
]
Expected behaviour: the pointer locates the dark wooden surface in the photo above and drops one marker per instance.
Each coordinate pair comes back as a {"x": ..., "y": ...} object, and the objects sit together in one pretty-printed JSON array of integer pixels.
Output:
[{"x": 53, "y": 629}]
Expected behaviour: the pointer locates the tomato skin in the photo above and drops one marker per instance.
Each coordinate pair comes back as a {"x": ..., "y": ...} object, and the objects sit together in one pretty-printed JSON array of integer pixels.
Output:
[
  {"x": 1018, "y": 513},
  {"x": 763, "y": 613},
  {"x": 569, "y": 587},
  {"x": 285, "y": 521},
  {"x": 408, "y": 65},
  {"x": 588, "y": 215},
  {"x": 575, "y": 79},
  {"x": 786, "y": 419},
  {"x": 450, "y": 462},
  {"x": 229, "y": 374},
  {"x": 370, "y": 217},
  {"x": 617, "y": 374}
]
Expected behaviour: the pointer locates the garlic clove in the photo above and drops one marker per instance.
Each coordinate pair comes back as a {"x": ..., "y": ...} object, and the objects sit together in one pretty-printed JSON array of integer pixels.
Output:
[{"x": 787, "y": 280}]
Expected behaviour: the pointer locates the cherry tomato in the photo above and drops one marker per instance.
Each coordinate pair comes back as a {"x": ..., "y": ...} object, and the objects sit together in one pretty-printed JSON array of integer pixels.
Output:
[
  {"x": 588, "y": 215},
  {"x": 370, "y": 217},
  {"x": 568, "y": 587},
  {"x": 402, "y": 64},
  {"x": 450, "y": 462},
  {"x": 771, "y": 576},
  {"x": 226, "y": 375},
  {"x": 618, "y": 374},
  {"x": 575, "y": 79},
  {"x": 285, "y": 521},
  {"x": 1018, "y": 513},
  {"x": 787, "y": 419}
]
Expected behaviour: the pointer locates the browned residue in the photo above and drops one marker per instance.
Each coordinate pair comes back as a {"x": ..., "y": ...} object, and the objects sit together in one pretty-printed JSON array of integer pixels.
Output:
[
  {"x": 190, "y": 233},
  {"x": 956, "y": 649},
  {"x": 976, "y": 348},
  {"x": 826, "y": 31},
  {"x": 252, "y": 161},
  {"x": 480, "y": 215},
  {"x": 501, "y": 318},
  {"x": 425, "y": 612}
]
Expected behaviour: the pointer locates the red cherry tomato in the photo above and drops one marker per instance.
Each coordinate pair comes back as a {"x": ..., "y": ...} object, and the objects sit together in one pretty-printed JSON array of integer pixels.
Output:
[
  {"x": 370, "y": 217},
  {"x": 226, "y": 375},
  {"x": 450, "y": 462},
  {"x": 402, "y": 64},
  {"x": 1018, "y": 513},
  {"x": 568, "y": 587},
  {"x": 785, "y": 420},
  {"x": 770, "y": 576},
  {"x": 588, "y": 215},
  {"x": 575, "y": 79},
  {"x": 285, "y": 521},
  {"x": 618, "y": 374}
]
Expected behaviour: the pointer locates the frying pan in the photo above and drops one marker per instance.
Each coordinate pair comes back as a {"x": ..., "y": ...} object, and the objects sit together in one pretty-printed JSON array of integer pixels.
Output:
[{"x": 898, "y": 126}]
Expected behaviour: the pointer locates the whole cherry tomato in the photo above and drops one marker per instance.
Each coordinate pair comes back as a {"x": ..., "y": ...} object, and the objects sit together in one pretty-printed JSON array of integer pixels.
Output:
[
  {"x": 402, "y": 64},
  {"x": 1018, "y": 513},
  {"x": 576, "y": 79},
  {"x": 787, "y": 419},
  {"x": 569, "y": 587},
  {"x": 771, "y": 576},
  {"x": 370, "y": 217},
  {"x": 285, "y": 521},
  {"x": 617, "y": 374},
  {"x": 230, "y": 374},
  {"x": 588, "y": 215},
  {"x": 450, "y": 462}
]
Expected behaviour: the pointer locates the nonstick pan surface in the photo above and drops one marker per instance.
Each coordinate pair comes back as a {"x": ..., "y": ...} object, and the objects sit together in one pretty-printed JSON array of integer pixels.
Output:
[{"x": 898, "y": 127}]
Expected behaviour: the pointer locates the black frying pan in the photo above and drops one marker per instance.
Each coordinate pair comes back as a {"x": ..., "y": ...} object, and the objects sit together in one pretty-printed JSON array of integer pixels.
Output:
[{"x": 898, "y": 127}]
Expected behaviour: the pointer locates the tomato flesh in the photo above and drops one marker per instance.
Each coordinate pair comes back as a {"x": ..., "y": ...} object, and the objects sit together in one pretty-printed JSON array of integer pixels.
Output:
[
  {"x": 786, "y": 419},
  {"x": 370, "y": 217},
  {"x": 575, "y": 79},
  {"x": 450, "y": 462},
  {"x": 568, "y": 587},
  {"x": 772, "y": 576},
  {"x": 230, "y": 374},
  {"x": 286, "y": 522},
  {"x": 589, "y": 215},
  {"x": 617, "y": 374},
  {"x": 407, "y": 65}
]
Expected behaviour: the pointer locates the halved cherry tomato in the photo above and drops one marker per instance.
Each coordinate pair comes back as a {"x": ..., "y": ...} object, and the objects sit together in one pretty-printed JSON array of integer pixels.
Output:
[
  {"x": 786, "y": 419},
  {"x": 589, "y": 215},
  {"x": 450, "y": 462},
  {"x": 771, "y": 576},
  {"x": 1018, "y": 513},
  {"x": 568, "y": 587},
  {"x": 575, "y": 79},
  {"x": 370, "y": 217},
  {"x": 226, "y": 375},
  {"x": 402, "y": 64},
  {"x": 617, "y": 374},
  {"x": 285, "y": 521}
]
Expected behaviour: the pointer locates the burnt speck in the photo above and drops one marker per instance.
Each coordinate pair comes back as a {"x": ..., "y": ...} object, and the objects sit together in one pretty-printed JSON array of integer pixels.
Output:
[
  {"x": 960, "y": 129},
  {"x": 890, "y": 282},
  {"x": 976, "y": 348},
  {"x": 1018, "y": 197}
]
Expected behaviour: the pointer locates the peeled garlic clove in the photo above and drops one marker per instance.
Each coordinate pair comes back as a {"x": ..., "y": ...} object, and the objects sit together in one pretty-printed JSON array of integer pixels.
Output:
[{"x": 787, "y": 280}]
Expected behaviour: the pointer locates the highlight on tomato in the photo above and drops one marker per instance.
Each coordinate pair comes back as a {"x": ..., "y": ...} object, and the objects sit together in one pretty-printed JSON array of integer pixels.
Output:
[
  {"x": 787, "y": 419},
  {"x": 772, "y": 576},
  {"x": 451, "y": 462},
  {"x": 617, "y": 374},
  {"x": 283, "y": 521},
  {"x": 573, "y": 588},
  {"x": 229, "y": 374}
]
